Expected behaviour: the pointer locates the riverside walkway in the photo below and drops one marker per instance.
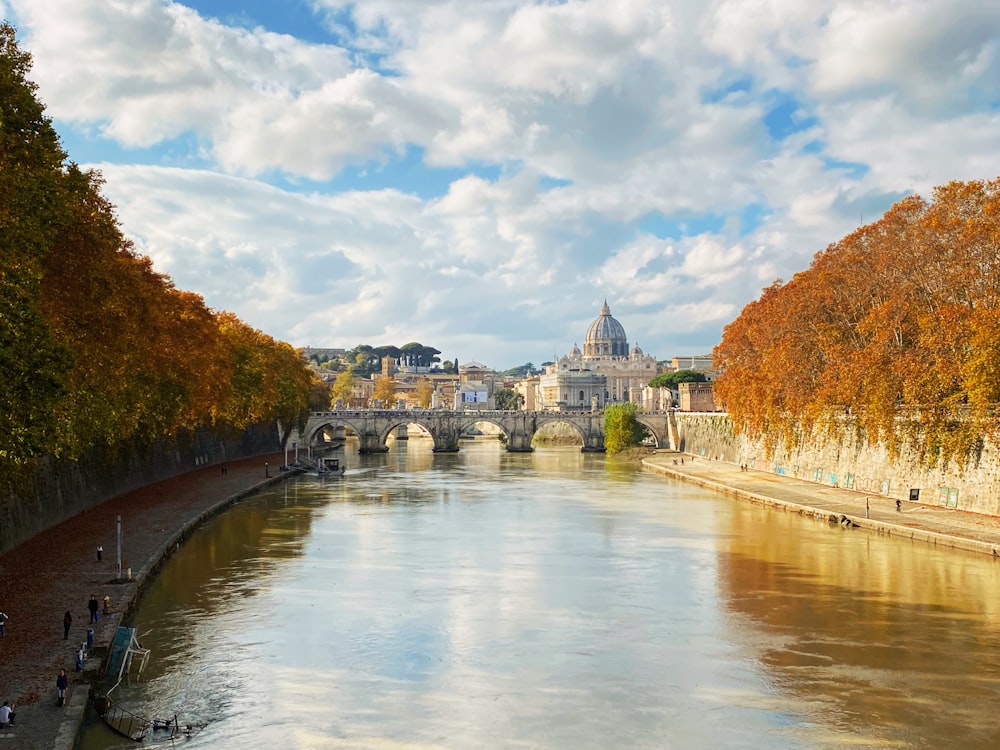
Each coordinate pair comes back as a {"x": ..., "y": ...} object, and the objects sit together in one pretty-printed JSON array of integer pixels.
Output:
[
  {"x": 57, "y": 570},
  {"x": 917, "y": 521}
]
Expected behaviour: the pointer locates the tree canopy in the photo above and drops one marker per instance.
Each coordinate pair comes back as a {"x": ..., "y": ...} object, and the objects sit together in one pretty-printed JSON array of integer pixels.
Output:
[
  {"x": 385, "y": 391},
  {"x": 367, "y": 359},
  {"x": 521, "y": 371},
  {"x": 97, "y": 349},
  {"x": 900, "y": 319},
  {"x": 622, "y": 430},
  {"x": 671, "y": 379},
  {"x": 506, "y": 399}
]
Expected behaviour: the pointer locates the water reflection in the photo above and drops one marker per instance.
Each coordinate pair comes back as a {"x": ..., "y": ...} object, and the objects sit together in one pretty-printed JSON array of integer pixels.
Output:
[
  {"x": 895, "y": 641},
  {"x": 559, "y": 600}
]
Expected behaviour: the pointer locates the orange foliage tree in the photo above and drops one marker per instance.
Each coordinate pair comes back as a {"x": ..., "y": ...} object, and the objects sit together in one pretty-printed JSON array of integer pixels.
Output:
[
  {"x": 898, "y": 323},
  {"x": 98, "y": 350}
]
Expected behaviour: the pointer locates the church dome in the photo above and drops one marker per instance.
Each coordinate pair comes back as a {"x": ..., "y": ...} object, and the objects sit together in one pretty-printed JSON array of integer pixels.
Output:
[
  {"x": 605, "y": 337},
  {"x": 636, "y": 351},
  {"x": 575, "y": 351}
]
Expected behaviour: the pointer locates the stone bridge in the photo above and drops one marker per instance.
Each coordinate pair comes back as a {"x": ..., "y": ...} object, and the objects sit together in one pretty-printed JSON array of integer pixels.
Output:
[{"x": 519, "y": 427}]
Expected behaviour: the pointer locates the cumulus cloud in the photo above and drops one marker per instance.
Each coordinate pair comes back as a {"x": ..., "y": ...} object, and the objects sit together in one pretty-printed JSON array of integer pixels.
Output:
[{"x": 480, "y": 174}]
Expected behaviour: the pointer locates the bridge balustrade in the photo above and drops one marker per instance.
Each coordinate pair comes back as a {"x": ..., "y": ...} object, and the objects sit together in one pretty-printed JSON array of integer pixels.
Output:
[{"x": 446, "y": 425}]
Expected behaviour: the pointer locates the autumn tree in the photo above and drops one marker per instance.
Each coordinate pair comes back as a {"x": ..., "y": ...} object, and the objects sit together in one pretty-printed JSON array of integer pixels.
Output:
[
  {"x": 425, "y": 393},
  {"x": 97, "y": 349},
  {"x": 31, "y": 215},
  {"x": 385, "y": 391},
  {"x": 896, "y": 323},
  {"x": 342, "y": 387}
]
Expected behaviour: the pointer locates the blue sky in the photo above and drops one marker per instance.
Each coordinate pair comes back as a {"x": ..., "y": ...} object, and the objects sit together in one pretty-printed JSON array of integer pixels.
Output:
[{"x": 480, "y": 175}]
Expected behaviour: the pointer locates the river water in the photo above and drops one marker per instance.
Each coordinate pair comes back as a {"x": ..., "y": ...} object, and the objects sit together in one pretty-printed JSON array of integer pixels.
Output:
[{"x": 560, "y": 601}]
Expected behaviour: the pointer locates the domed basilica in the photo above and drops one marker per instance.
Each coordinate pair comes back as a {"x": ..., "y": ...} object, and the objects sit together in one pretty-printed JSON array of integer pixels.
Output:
[{"x": 606, "y": 371}]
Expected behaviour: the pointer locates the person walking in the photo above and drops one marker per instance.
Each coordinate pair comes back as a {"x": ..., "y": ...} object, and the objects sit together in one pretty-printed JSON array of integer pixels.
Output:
[
  {"x": 62, "y": 684},
  {"x": 67, "y": 621},
  {"x": 92, "y": 605},
  {"x": 3, "y": 621}
]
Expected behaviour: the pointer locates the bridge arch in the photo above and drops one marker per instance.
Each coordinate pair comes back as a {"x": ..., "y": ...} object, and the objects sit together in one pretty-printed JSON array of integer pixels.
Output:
[
  {"x": 373, "y": 426},
  {"x": 387, "y": 427},
  {"x": 316, "y": 428},
  {"x": 467, "y": 423},
  {"x": 540, "y": 424},
  {"x": 655, "y": 428},
  {"x": 588, "y": 425}
]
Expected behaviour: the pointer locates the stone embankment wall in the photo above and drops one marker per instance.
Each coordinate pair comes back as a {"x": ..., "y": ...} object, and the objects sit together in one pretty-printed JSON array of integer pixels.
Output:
[
  {"x": 61, "y": 489},
  {"x": 843, "y": 461}
]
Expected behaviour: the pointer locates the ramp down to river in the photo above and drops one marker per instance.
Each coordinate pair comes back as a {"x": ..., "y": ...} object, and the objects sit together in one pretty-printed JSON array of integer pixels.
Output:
[{"x": 125, "y": 651}]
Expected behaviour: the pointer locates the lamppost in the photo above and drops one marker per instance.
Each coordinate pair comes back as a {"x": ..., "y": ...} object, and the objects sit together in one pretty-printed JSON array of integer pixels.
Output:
[{"x": 119, "y": 536}]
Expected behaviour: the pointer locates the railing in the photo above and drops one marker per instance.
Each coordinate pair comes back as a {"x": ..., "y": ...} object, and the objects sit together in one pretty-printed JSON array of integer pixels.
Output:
[
  {"x": 344, "y": 413},
  {"x": 124, "y": 721}
]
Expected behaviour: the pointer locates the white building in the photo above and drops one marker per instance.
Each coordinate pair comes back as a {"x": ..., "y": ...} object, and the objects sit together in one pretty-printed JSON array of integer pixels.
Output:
[{"x": 574, "y": 380}]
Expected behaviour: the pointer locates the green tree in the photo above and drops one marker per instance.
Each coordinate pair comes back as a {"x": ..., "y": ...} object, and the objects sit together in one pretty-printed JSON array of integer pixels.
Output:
[
  {"x": 521, "y": 371},
  {"x": 97, "y": 349},
  {"x": 506, "y": 399},
  {"x": 621, "y": 428},
  {"x": 671, "y": 379},
  {"x": 421, "y": 356},
  {"x": 31, "y": 215}
]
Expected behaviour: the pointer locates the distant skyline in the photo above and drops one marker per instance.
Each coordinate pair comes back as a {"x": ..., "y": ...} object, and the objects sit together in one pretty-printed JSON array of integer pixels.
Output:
[{"x": 480, "y": 175}]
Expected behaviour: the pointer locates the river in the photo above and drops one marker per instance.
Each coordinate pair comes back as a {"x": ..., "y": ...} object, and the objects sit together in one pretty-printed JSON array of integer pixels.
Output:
[{"x": 559, "y": 601}]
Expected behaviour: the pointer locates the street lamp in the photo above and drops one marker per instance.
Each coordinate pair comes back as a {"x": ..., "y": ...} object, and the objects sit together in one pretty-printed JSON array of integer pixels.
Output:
[{"x": 119, "y": 535}]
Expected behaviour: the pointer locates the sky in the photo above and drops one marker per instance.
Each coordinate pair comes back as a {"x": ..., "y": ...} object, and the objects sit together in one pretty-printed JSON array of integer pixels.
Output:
[{"x": 480, "y": 175}]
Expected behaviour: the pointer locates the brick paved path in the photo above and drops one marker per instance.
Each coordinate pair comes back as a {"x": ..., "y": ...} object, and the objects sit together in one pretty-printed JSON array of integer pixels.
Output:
[{"x": 58, "y": 570}]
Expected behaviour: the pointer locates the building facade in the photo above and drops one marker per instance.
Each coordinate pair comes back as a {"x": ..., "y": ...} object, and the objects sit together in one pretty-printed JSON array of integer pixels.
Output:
[{"x": 606, "y": 371}]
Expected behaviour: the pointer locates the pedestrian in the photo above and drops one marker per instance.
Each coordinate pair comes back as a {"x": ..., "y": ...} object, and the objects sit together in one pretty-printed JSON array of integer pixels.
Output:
[
  {"x": 3, "y": 621},
  {"x": 100, "y": 552},
  {"x": 92, "y": 606},
  {"x": 67, "y": 621},
  {"x": 62, "y": 684},
  {"x": 899, "y": 506},
  {"x": 267, "y": 471},
  {"x": 866, "y": 507},
  {"x": 6, "y": 714}
]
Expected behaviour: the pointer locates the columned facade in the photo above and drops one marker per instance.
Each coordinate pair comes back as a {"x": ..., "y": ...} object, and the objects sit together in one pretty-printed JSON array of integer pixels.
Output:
[{"x": 606, "y": 357}]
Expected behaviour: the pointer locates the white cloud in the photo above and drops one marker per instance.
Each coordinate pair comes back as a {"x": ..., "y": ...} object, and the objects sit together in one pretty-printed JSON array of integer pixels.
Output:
[
  {"x": 945, "y": 52},
  {"x": 395, "y": 183}
]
